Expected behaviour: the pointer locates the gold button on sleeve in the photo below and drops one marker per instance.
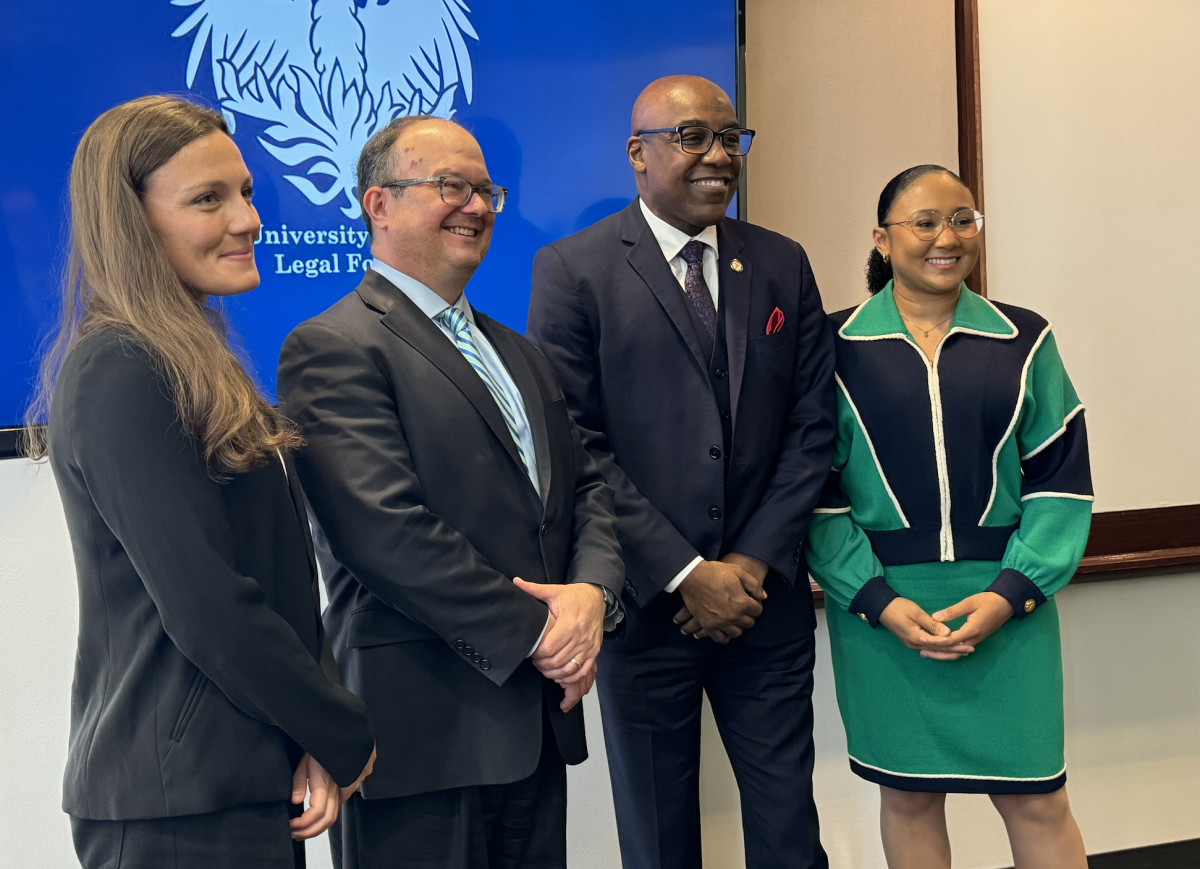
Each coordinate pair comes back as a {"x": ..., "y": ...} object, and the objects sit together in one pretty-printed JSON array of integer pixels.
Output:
[
  {"x": 1029, "y": 605},
  {"x": 863, "y": 616}
]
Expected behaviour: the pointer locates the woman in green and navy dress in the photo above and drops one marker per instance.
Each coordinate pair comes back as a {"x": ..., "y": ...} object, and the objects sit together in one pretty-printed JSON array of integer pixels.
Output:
[{"x": 959, "y": 504}]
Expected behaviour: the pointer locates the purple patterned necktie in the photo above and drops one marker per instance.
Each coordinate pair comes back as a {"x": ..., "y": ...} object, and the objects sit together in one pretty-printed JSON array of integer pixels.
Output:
[{"x": 696, "y": 289}]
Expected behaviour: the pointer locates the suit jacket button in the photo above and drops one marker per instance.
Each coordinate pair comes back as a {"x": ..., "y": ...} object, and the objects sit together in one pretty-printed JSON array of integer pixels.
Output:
[
  {"x": 485, "y": 664},
  {"x": 795, "y": 558},
  {"x": 714, "y": 513},
  {"x": 714, "y": 452},
  {"x": 1030, "y": 605},
  {"x": 460, "y": 645},
  {"x": 545, "y": 528},
  {"x": 724, "y": 414},
  {"x": 719, "y": 373},
  {"x": 477, "y": 658},
  {"x": 467, "y": 650}
]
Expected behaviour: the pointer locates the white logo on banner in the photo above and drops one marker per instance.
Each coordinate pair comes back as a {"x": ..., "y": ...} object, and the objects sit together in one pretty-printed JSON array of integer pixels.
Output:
[{"x": 327, "y": 73}]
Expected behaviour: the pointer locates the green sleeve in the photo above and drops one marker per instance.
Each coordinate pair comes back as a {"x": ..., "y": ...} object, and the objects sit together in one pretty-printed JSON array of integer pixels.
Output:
[
  {"x": 842, "y": 561},
  {"x": 1056, "y": 487},
  {"x": 838, "y": 551}
]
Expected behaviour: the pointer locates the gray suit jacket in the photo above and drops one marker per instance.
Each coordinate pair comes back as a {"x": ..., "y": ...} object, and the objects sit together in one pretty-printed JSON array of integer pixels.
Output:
[{"x": 426, "y": 513}]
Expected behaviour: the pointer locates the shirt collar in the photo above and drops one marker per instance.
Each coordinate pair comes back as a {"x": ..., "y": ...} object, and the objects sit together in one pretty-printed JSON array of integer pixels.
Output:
[
  {"x": 430, "y": 303},
  {"x": 672, "y": 240},
  {"x": 878, "y": 317}
]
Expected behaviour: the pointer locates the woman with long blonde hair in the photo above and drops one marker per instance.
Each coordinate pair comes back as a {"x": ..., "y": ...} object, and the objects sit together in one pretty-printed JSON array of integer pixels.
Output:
[{"x": 205, "y": 704}]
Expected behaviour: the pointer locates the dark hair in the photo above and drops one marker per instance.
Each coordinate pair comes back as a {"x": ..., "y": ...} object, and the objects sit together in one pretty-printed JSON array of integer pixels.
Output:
[
  {"x": 375, "y": 161},
  {"x": 879, "y": 270}
]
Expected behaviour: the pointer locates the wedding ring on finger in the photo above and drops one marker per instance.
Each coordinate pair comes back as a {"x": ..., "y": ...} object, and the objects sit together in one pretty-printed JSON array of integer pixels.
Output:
[{"x": 576, "y": 663}]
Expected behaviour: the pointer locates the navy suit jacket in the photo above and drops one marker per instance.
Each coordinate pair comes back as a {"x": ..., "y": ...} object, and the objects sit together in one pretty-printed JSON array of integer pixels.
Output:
[
  {"x": 610, "y": 316},
  {"x": 425, "y": 514}
]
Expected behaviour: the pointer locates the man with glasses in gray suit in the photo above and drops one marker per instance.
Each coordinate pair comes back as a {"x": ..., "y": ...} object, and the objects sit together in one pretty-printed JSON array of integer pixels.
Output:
[{"x": 468, "y": 541}]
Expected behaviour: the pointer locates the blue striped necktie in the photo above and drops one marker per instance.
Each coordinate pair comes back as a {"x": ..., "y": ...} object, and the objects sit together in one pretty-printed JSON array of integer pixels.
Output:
[{"x": 456, "y": 321}]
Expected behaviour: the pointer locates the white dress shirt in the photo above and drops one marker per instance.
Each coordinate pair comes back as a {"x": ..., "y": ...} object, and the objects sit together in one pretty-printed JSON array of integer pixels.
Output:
[{"x": 672, "y": 241}]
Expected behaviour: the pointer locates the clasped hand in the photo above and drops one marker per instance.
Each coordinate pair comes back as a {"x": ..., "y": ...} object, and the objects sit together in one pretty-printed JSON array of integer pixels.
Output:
[
  {"x": 325, "y": 797},
  {"x": 934, "y": 639},
  {"x": 722, "y": 598},
  {"x": 574, "y": 632}
]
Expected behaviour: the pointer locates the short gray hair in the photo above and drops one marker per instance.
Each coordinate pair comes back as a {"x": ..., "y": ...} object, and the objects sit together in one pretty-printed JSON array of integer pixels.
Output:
[{"x": 375, "y": 163}]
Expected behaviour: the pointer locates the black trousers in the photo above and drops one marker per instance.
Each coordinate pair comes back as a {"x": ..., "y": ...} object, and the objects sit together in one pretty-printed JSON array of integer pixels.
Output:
[
  {"x": 243, "y": 837},
  {"x": 522, "y": 825},
  {"x": 761, "y": 699}
]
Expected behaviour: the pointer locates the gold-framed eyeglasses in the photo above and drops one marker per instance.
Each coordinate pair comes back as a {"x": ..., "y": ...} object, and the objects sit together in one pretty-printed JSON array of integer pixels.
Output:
[
  {"x": 694, "y": 139},
  {"x": 457, "y": 192},
  {"x": 928, "y": 225}
]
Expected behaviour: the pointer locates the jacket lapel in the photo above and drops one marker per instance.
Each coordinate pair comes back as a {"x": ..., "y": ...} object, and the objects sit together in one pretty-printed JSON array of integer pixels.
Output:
[
  {"x": 409, "y": 323},
  {"x": 518, "y": 368},
  {"x": 298, "y": 504},
  {"x": 648, "y": 261},
  {"x": 735, "y": 292}
]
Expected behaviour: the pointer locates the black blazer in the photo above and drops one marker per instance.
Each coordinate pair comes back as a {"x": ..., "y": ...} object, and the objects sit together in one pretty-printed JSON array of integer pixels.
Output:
[
  {"x": 611, "y": 318},
  {"x": 202, "y": 672},
  {"x": 427, "y": 513}
]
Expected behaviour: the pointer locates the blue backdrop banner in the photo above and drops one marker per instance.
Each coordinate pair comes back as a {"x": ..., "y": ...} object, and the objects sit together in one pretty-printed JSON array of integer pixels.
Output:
[{"x": 545, "y": 87}]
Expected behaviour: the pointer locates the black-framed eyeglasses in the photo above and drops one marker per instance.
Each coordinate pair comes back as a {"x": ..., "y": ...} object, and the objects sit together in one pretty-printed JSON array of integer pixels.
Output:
[
  {"x": 698, "y": 140},
  {"x": 457, "y": 192},
  {"x": 928, "y": 225}
]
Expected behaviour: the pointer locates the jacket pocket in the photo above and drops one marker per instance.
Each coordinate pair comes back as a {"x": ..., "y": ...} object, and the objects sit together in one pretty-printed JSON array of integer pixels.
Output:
[
  {"x": 190, "y": 702},
  {"x": 381, "y": 625},
  {"x": 774, "y": 342}
]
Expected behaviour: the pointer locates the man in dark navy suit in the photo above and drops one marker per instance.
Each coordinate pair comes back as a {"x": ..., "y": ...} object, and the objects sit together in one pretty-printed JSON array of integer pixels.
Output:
[{"x": 698, "y": 364}]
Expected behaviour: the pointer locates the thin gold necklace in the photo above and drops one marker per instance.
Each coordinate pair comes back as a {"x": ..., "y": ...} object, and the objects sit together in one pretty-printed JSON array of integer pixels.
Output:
[{"x": 919, "y": 326}]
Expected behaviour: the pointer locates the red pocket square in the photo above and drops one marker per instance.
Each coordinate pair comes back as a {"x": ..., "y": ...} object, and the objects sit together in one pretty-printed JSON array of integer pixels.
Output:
[{"x": 775, "y": 322}]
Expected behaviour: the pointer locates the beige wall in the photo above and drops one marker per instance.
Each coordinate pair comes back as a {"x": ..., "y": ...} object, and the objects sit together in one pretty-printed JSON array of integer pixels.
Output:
[
  {"x": 1088, "y": 108},
  {"x": 1092, "y": 110},
  {"x": 844, "y": 94}
]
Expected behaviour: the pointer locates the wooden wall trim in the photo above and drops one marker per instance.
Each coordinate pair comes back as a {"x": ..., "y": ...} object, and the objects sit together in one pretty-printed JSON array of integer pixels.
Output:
[
  {"x": 1140, "y": 540},
  {"x": 970, "y": 120},
  {"x": 1129, "y": 540}
]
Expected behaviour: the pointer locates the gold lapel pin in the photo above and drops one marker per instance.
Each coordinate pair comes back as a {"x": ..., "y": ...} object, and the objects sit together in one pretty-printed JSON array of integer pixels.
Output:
[{"x": 736, "y": 265}]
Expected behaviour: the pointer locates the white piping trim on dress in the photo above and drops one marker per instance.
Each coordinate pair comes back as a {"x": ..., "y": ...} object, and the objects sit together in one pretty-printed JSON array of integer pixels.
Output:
[
  {"x": 905, "y": 336},
  {"x": 1012, "y": 424},
  {"x": 1000, "y": 314},
  {"x": 1070, "y": 495},
  {"x": 945, "y": 533},
  {"x": 1067, "y": 419},
  {"x": 832, "y": 510},
  {"x": 951, "y": 775},
  {"x": 878, "y": 467}
]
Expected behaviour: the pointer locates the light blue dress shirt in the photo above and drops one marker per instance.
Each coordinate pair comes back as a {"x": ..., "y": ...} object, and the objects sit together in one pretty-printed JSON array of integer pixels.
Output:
[{"x": 431, "y": 304}]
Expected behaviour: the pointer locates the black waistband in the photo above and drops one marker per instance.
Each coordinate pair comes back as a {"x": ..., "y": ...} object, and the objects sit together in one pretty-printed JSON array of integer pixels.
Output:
[{"x": 923, "y": 545}]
